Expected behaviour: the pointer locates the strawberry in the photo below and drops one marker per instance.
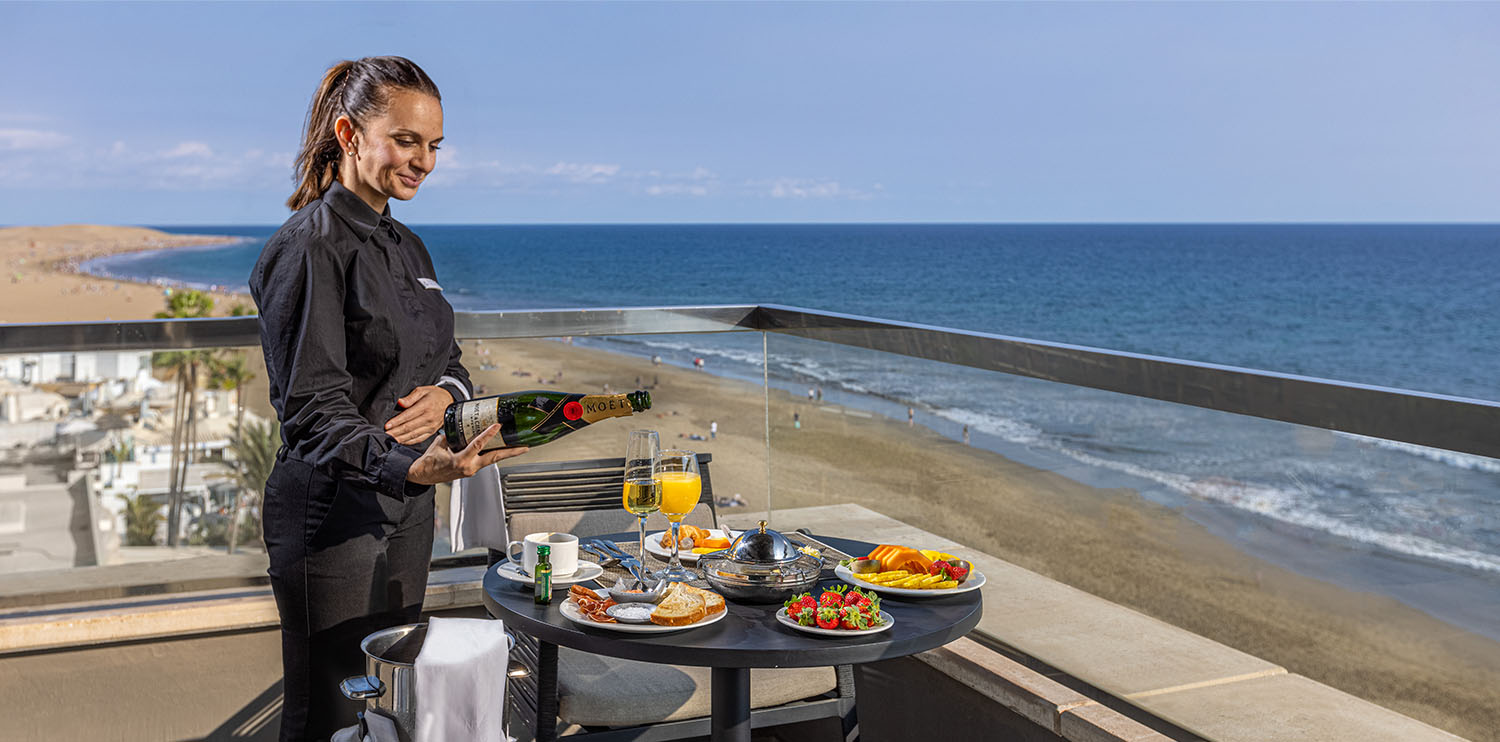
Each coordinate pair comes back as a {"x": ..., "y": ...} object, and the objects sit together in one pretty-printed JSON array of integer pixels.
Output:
[
  {"x": 851, "y": 597},
  {"x": 805, "y": 600},
  {"x": 853, "y": 618},
  {"x": 805, "y": 616},
  {"x": 831, "y": 598},
  {"x": 827, "y": 618},
  {"x": 948, "y": 570}
]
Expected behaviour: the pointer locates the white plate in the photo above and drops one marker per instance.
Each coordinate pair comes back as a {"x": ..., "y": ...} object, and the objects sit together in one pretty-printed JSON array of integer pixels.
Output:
[
  {"x": 570, "y": 611},
  {"x": 886, "y": 618},
  {"x": 975, "y": 581},
  {"x": 654, "y": 547},
  {"x": 586, "y": 571}
]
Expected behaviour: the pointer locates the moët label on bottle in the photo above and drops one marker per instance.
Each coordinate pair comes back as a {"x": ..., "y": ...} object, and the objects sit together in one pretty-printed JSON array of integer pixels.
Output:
[{"x": 598, "y": 407}]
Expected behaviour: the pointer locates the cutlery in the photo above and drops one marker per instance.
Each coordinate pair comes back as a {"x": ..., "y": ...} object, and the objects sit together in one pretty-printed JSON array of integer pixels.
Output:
[
  {"x": 607, "y": 559},
  {"x": 626, "y": 560}
]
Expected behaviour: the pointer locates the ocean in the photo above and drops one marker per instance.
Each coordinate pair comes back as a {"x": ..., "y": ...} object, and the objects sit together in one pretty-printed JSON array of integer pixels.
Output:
[{"x": 1405, "y": 306}]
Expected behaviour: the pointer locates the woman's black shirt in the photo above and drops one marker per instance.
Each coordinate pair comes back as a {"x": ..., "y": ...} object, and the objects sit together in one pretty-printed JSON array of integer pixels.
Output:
[{"x": 351, "y": 319}]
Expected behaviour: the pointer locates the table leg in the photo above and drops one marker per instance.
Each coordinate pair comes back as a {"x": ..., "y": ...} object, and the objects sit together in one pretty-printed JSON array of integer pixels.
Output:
[
  {"x": 730, "y": 704},
  {"x": 546, "y": 692}
]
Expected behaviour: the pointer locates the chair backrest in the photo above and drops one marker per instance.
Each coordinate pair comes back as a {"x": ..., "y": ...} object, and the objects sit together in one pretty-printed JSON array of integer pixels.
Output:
[{"x": 582, "y": 497}]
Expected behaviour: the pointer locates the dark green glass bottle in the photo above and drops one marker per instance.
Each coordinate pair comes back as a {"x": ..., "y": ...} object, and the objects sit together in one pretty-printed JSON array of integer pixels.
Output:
[
  {"x": 543, "y": 588},
  {"x": 534, "y": 418}
]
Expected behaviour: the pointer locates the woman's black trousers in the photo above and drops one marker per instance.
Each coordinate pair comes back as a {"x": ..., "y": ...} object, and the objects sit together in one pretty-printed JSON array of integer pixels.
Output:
[{"x": 345, "y": 563}]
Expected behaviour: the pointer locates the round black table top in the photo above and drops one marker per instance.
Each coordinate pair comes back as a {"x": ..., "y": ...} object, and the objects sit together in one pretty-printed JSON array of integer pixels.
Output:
[{"x": 750, "y": 636}]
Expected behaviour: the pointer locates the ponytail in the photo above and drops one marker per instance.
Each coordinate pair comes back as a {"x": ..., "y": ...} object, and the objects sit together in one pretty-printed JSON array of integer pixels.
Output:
[{"x": 360, "y": 90}]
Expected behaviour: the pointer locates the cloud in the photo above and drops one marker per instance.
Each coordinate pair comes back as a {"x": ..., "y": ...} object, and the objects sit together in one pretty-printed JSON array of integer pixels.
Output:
[
  {"x": 580, "y": 172},
  {"x": 186, "y": 165},
  {"x": 36, "y": 158},
  {"x": 189, "y": 149},
  {"x": 31, "y": 139},
  {"x": 566, "y": 177},
  {"x": 809, "y": 188},
  {"x": 676, "y": 189}
]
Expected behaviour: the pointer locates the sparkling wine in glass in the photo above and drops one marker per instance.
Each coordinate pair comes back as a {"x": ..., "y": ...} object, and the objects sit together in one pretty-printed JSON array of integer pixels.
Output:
[
  {"x": 642, "y": 495},
  {"x": 681, "y": 486}
]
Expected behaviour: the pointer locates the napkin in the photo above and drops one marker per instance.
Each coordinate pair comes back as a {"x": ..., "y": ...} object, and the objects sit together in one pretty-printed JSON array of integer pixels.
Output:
[
  {"x": 476, "y": 508},
  {"x": 461, "y": 680}
]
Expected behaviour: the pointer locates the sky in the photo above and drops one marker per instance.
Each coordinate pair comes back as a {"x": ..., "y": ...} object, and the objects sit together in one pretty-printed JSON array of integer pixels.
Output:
[{"x": 186, "y": 113}]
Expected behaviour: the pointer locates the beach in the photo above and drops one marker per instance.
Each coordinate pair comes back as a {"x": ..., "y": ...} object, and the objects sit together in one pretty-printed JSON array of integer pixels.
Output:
[
  {"x": 1110, "y": 542},
  {"x": 42, "y": 283}
]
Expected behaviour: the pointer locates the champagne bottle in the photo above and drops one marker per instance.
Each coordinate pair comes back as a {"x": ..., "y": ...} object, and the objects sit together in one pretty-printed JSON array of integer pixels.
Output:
[{"x": 536, "y": 417}]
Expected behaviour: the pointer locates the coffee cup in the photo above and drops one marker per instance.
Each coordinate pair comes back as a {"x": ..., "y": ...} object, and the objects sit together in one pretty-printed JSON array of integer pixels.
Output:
[{"x": 564, "y": 557}]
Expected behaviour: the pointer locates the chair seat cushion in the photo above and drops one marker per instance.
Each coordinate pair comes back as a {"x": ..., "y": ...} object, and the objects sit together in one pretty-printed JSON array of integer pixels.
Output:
[{"x": 606, "y": 691}]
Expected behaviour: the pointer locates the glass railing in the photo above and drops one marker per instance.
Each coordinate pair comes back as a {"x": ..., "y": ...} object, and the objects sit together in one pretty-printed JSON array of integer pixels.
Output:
[{"x": 1346, "y": 532}]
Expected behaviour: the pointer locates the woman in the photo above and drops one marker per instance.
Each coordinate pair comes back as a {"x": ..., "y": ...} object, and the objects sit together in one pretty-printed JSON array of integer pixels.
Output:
[{"x": 359, "y": 346}]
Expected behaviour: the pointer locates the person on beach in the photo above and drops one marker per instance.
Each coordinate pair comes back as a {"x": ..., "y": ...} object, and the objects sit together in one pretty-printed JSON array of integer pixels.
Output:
[{"x": 361, "y": 360}]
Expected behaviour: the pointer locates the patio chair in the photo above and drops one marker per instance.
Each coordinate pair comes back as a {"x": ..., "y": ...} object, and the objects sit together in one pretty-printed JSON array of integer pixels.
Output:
[{"x": 605, "y": 699}]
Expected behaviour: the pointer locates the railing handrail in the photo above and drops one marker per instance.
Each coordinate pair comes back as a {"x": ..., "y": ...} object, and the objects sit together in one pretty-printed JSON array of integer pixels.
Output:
[{"x": 1422, "y": 418}]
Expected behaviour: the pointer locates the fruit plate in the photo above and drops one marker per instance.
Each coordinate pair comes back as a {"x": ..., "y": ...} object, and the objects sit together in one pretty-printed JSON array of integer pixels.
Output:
[
  {"x": 886, "y": 622},
  {"x": 570, "y": 611},
  {"x": 586, "y": 571},
  {"x": 654, "y": 547},
  {"x": 975, "y": 581}
]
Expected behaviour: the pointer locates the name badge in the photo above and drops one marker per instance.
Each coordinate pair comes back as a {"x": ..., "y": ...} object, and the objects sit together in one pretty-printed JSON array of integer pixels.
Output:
[{"x": 428, "y": 283}]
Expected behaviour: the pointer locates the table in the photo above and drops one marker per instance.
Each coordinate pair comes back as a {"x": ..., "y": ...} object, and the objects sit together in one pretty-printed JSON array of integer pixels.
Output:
[{"x": 748, "y": 637}]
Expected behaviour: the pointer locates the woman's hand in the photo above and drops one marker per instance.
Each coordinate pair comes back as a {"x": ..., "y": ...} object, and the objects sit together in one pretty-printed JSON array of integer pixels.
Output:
[
  {"x": 421, "y": 415},
  {"x": 440, "y": 464}
]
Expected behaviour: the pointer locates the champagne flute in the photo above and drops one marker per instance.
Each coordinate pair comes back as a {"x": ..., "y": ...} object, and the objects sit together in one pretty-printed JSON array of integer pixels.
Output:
[
  {"x": 681, "y": 487},
  {"x": 642, "y": 495}
]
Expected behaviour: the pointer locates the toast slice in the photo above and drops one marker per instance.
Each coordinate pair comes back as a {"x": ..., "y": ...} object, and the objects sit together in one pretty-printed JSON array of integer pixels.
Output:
[
  {"x": 712, "y": 601},
  {"x": 681, "y": 606}
]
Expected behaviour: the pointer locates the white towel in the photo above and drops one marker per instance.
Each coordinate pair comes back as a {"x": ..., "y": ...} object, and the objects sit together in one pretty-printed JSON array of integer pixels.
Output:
[
  {"x": 461, "y": 681},
  {"x": 476, "y": 508}
]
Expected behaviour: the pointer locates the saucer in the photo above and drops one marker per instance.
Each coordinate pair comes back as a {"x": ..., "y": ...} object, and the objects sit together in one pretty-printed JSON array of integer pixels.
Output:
[{"x": 586, "y": 571}]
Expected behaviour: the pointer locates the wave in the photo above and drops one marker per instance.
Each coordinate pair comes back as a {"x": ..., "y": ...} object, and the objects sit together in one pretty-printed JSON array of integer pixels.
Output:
[
  {"x": 1286, "y": 506},
  {"x": 1466, "y": 461},
  {"x": 1011, "y": 431}
]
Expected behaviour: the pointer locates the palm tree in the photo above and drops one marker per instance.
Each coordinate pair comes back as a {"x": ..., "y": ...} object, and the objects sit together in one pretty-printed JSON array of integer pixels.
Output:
[
  {"x": 229, "y": 372},
  {"x": 183, "y": 365},
  {"x": 255, "y": 449},
  {"x": 142, "y": 516},
  {"x": 120, "y": 452}
]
